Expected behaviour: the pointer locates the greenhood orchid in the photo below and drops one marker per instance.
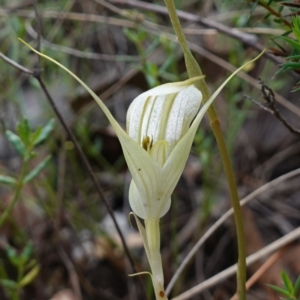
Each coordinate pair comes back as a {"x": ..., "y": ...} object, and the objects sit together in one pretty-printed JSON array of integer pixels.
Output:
[
  {"x": 161, "y": 125},
  {"x": 157, "y": 120}
]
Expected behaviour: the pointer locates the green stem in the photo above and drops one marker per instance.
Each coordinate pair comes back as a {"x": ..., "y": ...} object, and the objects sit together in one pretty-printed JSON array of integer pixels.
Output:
[
  {"x": 18, "y": 189},
  {"x": 154, "y": 257},
  {"x": 194, "y": 70},
  {"x": 15, "y": 295},
  {"x": 20, "y": 276}
]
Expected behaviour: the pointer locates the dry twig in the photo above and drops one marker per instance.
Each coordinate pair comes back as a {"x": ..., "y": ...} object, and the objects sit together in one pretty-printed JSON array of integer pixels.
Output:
[{"x": 269, "y": 96}]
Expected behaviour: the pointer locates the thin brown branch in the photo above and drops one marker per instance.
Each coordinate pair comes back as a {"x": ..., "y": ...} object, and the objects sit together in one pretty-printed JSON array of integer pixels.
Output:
[
  {"x": 16, "y": 65},
  {"x": 50, "y": 14},
  {"x": 269, "y": 96},
  {"x": 273, "y": 12},
  {"x": 258, "y": 104},
  {"x": 72, "y": 271}
]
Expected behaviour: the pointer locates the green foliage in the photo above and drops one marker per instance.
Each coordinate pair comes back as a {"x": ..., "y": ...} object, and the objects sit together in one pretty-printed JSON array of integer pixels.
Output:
[
  {"x": 289, "y": 291},
  {"x": 25, "y": 140},
  {"x": 24, "y": 143},
  {"x": 27, "y": 270},
  {"x": 7, "y": 180},
  {"x": 149, "y": 69},
  {"x": 16, "y": 142},
  {"x": 42, "y": 133},
  {"x": 293, "y": 61},
  {"x": 37, "y": 170},
  {"x": 275, "y": 8}
]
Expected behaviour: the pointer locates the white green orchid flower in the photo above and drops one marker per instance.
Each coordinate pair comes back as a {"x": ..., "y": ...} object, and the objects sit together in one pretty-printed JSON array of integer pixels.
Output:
[
  {"x": 161, "y": 125},
  {"x": 158, "y": 120}
]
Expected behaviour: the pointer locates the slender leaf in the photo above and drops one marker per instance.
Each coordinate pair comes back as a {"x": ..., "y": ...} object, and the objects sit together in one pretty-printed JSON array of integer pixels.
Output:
[
  {"x": 131, "y": 35},
  {"x": 35, "y": 135},
  {"x": 279, "y": 290},
  {"x": 7, "y": 180},
  {"x": 294, "y": 43},
  {"x": 297, "y": 286},
  {"x": 8, "y": 283},
  {"x": 296, "y": 28},
  {"x": 287, "y": 282},
  {"x": 293, "y": 57},
  {"x": 37, "y": 170},
  {"x": 30, "y": 276},
  {"x": 45, "y": 132},
  {"x": 13, "y": 256},
  {"x": 26, "y": 252},
  {"x": 294, "y": 65},
  {"x": 253, "y": 7},
  {"x": 24, "y": 131},
  {"x": 16, "y": 142}
]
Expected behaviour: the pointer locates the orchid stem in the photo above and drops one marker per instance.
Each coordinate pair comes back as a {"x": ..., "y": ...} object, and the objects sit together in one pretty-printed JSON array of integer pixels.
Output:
[
  {"x": 194, "y": 70},
  {"x": 154, "y": 257}
]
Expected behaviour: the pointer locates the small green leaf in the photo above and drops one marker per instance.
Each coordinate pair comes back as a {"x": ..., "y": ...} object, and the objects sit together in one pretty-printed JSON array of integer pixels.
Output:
[
  {"x": 26, "y": 253},
  {"x": 8, "y": 283},
  {"x": 45, "y": 132},
  {"x": 30, "y": 276},
  {"x": 297, "y": 286},
  {"x": 142, "y": 34},
  {"x": 277, "y": 20},
  {"x": 23, "y": 130},
  {"x": 35, "y": 135},
  {"x": 293, "y": 57},
  {"x": 296, "y": 89},
  {"x": 267, "y": 16},
  {"x": 16, "y": 142},
  {"x": 253, "y": 7},
  {"x": 30, "y": 264},
  {"x": 294, "y": 43},
  {"x": 279, "y": 290},
  {"x": 296, "y": 27},
  {"x": 7, "y": 180},
  {"x": 131, "y": 35},
  {"x": 293, "y": 65},
  {"x": 280, "y": 9},
  {"x": 37, "y": 170},
  {"x": 13, "y": 256},
  {"x": 288, "y": 285}
]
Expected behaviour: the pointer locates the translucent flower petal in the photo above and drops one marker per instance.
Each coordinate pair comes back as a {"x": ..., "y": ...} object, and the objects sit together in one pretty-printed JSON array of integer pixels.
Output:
[{"x": 165, "y": 116}]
